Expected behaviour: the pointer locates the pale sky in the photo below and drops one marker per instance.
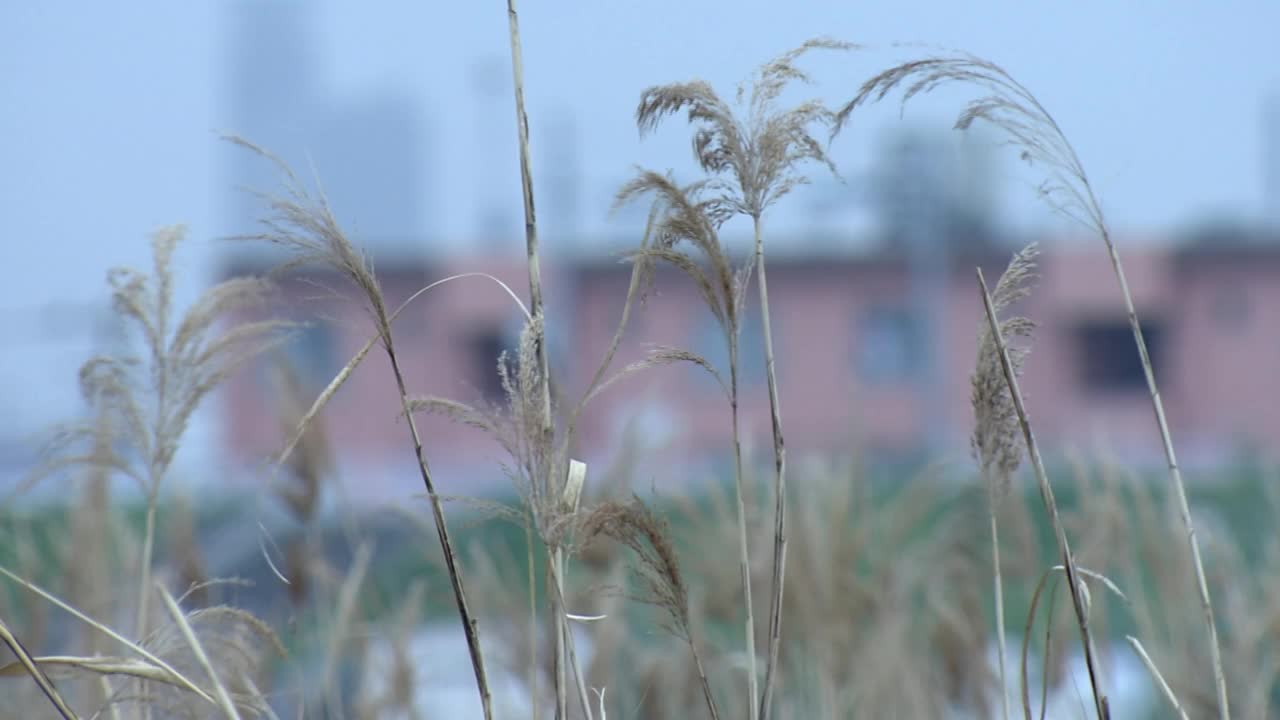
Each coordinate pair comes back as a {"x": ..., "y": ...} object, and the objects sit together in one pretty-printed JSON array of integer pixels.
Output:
[{"x": 109, "y": 115}]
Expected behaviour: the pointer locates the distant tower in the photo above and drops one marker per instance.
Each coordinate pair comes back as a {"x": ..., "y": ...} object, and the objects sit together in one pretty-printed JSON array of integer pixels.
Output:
[
  {"x": 1271, "y": 161},
  {"x": 561, "y": 167},
  {"x": 972, "y": 207},
  {"x": 910, "y": 186},
  {"x": 367, "y": 153},
  {"x": 494, "y": 130},
  {"x": 912, "y": 195},
  {"x": 269, "y": 91}
]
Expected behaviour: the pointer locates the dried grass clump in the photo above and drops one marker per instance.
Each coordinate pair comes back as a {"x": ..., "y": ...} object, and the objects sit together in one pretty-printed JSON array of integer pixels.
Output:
[
  {"x": 146, "y": 402},
  {"x": 1138, "y": 543},
  {"x": 657, "y": 570},
  {"x": 141, "y": 405},
  {"x": 398, "y": 681},
  {"x": 306, "y": 470},
  {"x": 312, "y": 461},
  {"x": 648, "y": 536},
  {"x": 889, "y": 621},
  {"x": 226, "y": 646}
]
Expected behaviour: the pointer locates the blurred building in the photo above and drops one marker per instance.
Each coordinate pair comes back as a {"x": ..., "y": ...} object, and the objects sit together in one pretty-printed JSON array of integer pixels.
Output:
[
  {"x": 368, "y": 149},
  {"x": 1271, "y": 161},
  {"x": 851, "y": 353},
  {"x": 875, "y": 340}
]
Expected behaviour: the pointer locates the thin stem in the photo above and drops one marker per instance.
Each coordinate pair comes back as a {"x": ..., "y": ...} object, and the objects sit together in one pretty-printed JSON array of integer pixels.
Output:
[
  {"x": 533, "y": 617},
  {"x": 33, "y": 669},
  {"x": 1094, "y": 210},
  {"x": 1175, "y": 473},
  {"x": 156, "y": 465},
  {"x": 557, "y": 582},
  {"x": 999, "y": 590},
  {"x": 1046, "y": 495},
  {"x": 537, "y": 311},
  {"x": 744, "y": 553},
  {"x": 442, "y": 530},
  {"x": 530, "y": 221},
  {"x": 197, "y": 648},
  {"x": 779, "y": 484},
  {"x": 702, "y": 678},
  {"x": 148, "y": 550},
  {"x": 318, "y": 404},
  {"x": 633, "y": 289},
  {"x": 1027, "y": 635},
  {"x": 559, "y": 624},
  {"x": 1156, "y": 676},
  {"x": 106, "y": 630}
]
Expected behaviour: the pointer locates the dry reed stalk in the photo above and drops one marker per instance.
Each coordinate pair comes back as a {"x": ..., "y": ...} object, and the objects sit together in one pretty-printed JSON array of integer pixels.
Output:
[
  {"x": 178, "y": 678},
  {"x": 1074, "y": 582},
  {"x": 995, "y": 442},
  {"x": 300, "y": 427},
  {"x": 104, "y": 686},
  {"x": 1052, "y": 573},
  {"x": 750, "y": 156},
  {"x": 744, "y": 557},
  {"x": 657, "y": 571},
  {"x": 33, "y": 669},
  {"x": 180, "y": 620},
  {"x": 533, "y": 611},
  {"x": 998, "y": 589},
  {"x": 679, "y": 215},
  {"x": 1175, "y": 472},
  {"x": 306, "y": 227},
  {"x": 1012, "y": 108},
  {"x": 641, "y": 267},
  {"x": 1048, "y": 642},
  {"x": 530, "y": 216},
  {"x": 517, "y": 428},
  {"x": 780, "y": 485},
  {"x": 146, "y": 402},
  {"x": 544, "y": 371},
  {"x": 569, "y": 646},
  {"x": 1156, "y": 676},
  {"x": 101, "y": 665},
  {"x": 469, "y": 625}
]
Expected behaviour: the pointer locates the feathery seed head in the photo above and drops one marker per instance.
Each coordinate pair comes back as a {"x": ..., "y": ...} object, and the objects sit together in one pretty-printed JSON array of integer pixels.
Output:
[
  {"x": 750, "y": 153},
  {"x": 648, "y": 535},
  {"x": 997, "y": 440}
]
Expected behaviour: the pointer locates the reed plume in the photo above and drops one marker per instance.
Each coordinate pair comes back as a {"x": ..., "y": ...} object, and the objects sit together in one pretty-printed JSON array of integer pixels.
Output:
[{"x": 751, "y": 155}]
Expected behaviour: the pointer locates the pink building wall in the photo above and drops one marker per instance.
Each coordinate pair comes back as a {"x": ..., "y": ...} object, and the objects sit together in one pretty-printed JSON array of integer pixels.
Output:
[{"x": 1214, "y": 317}]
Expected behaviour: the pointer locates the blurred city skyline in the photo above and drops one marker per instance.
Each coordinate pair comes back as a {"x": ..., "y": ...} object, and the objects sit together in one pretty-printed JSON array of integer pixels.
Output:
[{"x": 113, "y": 116}]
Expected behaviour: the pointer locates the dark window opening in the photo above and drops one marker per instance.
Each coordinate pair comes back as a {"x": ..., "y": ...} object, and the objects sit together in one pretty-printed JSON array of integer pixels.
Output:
[
  {"x": 1109, "y": 359},
  {"x": 1230, "y": 309},
  {"x": 710, "y": 343},
  {"x": 312, "y": 352},
  {"x": 309, "y": 355},
  {"x": 487, "y": 348},
  {"x": 889, "y": 346}
]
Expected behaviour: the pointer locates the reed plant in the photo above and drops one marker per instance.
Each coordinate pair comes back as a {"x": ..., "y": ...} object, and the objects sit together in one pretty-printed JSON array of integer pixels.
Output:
[{"x": 890, "y": 620}]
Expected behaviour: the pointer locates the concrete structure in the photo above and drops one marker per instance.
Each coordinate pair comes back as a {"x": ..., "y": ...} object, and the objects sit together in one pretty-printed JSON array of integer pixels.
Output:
[{"x": 849, "y": 358}]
